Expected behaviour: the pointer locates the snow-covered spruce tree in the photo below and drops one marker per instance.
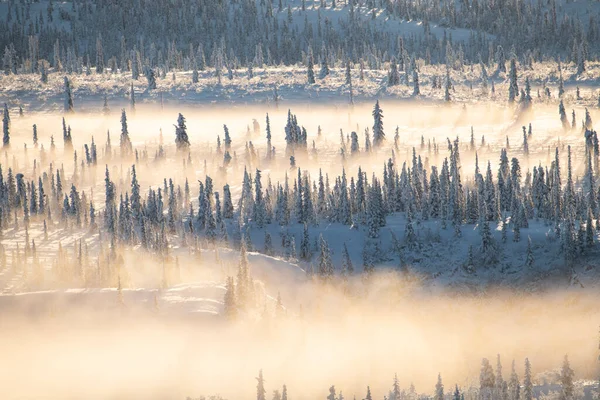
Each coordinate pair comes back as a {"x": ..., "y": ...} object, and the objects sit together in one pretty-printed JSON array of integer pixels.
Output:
[
  {"x": 529, "y": 260},
  {"x": 589, "y": 230},
  {"x": 588, "y": 120},
  {"x": 439, "y": 389},
  {"x": 125, "y": 142},
  {"x": 561, "y": 85},
  {"x": 484, "y": 77},
  {"x": 500, "y": 386},
  {"x": 229, "y": 304},
  {"x": 448, "y": 86},
  {"x": 488, "y": 247},
  {"x": 310, "y": 73},
  {"x": 6, "y": 126},
  {"x": 566, "y": 381},
  {"x": 99, "y": 55},
  {"x": 580, "y": 60},
  {"x": 527, "y": 382},
  {"x": 354, "y": 146},
  {"x": 332, "y": 395},
  {"x": 486, "y": 380},
  {"x": 269, "y": 145},
  {"x": 227, "y": 140},
  {"x": 527, "y": 99},
  {"x": 227, "y": 211},
  {"x": 260, "y": 387},
  {"x": 135, "y": 71},
  {"x": 151, "y": 78},
  {"x": 324, "y": 71},
  {"x": 416, "y": 89},
  {"x": 513, "y": 87},
  {"x": 347, "y": 267},
  {"x": 514, "y": 386},
  {"x": 325, "y": 265},
  {"x": 44, "y": 71},
  {"x": 305, "y": 250},
  {"x": 456, "y": 395},
  {"x": 135, "y": 199},
  {"x": 348, "y": 73},
  {"x": 501, "y": 60},
  {"x": 563, "y": 116},
  {"x": 259, "y": 208},
  {"x": 67, "y": 139},
  {"x": 132, "y": 99},
  {"x": 378, "y": 133},
  {"x": 68, "y": 96},
  {"x": 393, "y": 75},
  {"x": 182, "y": 140}
]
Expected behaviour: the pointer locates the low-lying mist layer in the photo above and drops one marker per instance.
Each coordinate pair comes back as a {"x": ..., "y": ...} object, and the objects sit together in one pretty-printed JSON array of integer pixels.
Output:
[{"x": 335, "y": 339}]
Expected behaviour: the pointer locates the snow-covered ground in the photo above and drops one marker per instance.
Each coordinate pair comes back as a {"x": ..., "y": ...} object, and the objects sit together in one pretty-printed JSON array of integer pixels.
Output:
[{"x": 290, "y": 85}]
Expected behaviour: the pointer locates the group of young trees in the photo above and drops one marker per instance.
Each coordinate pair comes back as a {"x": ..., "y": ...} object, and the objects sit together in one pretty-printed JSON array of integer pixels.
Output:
[
  {"x": 426, "y": 187},
  {"x": 492, "y": 386},
  {"x": 266, "y": 34}
]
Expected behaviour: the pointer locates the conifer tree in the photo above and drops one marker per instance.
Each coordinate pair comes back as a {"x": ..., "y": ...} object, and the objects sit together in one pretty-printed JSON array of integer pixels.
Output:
[
  {"x": 501, "y": 59},
  {"x": 393, "y": 75},
  {"x": 561, "y": 86},
  {"x": 310, "y": 71},
  {"x": 227, "y": 140},
  {"x": 229, "y": 306},
  {"x": 332, "y": 395},
  {"x": 513, "y": 87},
  {"x": 325, "y": 266},
  {"x": 378, "y": 134},
  {"x": 448, "y": 86},
  {"x": 324, "y": 67},
  {"x": 305, "y": 251},
  {"x": 347, "y": 267},
  {"x": 416, "y": 89},
  {"x": 260, "y": 387},
  {"x": 529, "y": 256},
  {"x": 563, "y": 116},
  {"x": 68, "y": 96},
  {"x": 580, "y": 60},
  {"x": 439, "y": 389},
  {"x": 125, "y": 142},
  {"x": 151, "y": 78},
  {"x": 132, "y": 99},
  {"x": 456, "y": 395},
  {"x": 44, "y": 72},
  {"x": 6, "y": 126},
  {"x": 182, "y": 140},
  {"x": 348, "y": 73},
  {"x": 566, "y": 381},
  {"x": 514, "y": 386},
  {"x": 588, "y": 120},
  {"x": 527, "y": 382},
  {"x": 135, "y": 195},
  {"x": 269, "y": 145},
  {"x": 487, "y": 380}
]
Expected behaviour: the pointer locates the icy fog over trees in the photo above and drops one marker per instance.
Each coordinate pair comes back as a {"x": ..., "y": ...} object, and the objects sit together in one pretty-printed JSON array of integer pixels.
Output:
[{"x": 306, "y": 198}]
